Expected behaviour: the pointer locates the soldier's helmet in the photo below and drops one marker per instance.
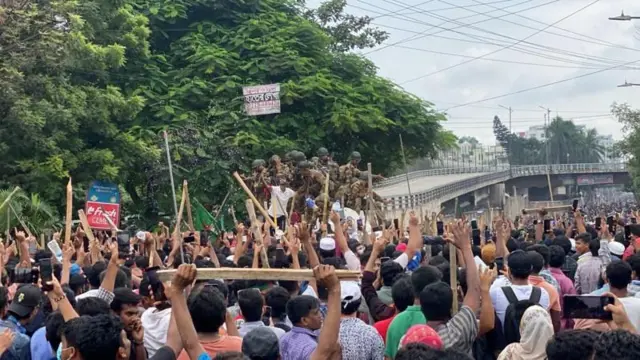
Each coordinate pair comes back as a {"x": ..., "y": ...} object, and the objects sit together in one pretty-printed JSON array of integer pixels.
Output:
[
  {"x": 315, "y": 159},
  {"x": 355, "y": 156},
  {"x": 304, "y": 164},
  {"x": 298, "y": 156},
  {"x": 322, "y": 152},
  {"x": 257, "y": 163},
  {"x": 274, "y": 158},
  {"x": 287, "y": 156}
]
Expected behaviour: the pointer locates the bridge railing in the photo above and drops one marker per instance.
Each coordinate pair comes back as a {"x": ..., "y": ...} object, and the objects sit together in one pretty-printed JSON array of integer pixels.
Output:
[
  {"x": 440, "y": 172},
  {"x": 458, "y": 188}
]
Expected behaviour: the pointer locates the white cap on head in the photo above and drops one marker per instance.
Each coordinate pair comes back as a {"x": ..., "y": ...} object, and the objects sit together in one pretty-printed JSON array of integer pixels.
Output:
[
  {"x": 349, "y": 292},
  {"x": 327, "y": 244},
  {"x": 141, "y": 235},
  {"x": 616, "y": 248}
]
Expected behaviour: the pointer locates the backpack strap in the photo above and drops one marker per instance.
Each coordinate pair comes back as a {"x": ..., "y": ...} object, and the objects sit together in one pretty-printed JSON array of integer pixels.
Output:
[
  {"x": 536, "y": 294},
  {"x": 509, "y": 294}
]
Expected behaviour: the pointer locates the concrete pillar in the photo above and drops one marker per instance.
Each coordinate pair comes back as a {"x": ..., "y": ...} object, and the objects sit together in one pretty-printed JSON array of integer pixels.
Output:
[{"x": 496, "y": 195}]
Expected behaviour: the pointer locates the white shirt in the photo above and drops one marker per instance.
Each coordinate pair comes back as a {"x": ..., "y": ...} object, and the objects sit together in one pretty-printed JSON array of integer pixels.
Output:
[
  {"x": 156, "y": 325},
  {"x": 280, "y": 198},
  {"x": 522, "y": 292},
  {"x": 632, "y": 307}
]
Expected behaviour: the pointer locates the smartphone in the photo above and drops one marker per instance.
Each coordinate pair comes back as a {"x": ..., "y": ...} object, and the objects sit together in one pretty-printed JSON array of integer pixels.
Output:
[
  {"x": 266, "y": 316},
  {"x": 611, "y": 224},
  {"x": 440, "y": 228},
  {"x": 474, "y": 224},
  {"x": 396, "y": 224},
  {"x": 634, "y": 221},
  {"x": 587, "y": 307},
  {"x": 546, "y": 225},
  {"x": 598, "y": 223},
  {"x": 575, "y": 205},
  {"x": 123, "y": 238},
  {"x": 204, "y": 238},
  {"x": 189, "y": 239},
  {"x": 627, "y": 231},
  {"x": 55, "y": 249},
  {"x": 46, "y": 273}
]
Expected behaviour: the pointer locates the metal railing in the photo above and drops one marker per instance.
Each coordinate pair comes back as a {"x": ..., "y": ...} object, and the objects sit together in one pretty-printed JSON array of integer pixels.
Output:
[
  {"x": 440, "y": 172},
  {"x": 452, "y": 190}
]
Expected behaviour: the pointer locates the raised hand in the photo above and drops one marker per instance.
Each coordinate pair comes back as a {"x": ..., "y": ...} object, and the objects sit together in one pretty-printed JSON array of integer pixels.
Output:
[{"x": 461, "y": 235}]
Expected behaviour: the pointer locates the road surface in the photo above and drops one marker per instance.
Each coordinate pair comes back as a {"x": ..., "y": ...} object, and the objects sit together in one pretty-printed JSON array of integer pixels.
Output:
[{"x": 422, "y": 184}]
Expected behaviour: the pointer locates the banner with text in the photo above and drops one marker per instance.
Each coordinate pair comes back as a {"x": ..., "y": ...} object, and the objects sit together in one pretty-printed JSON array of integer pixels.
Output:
[
  {"x": 584, "y": 180},
  {"x": 103, "y": 198},
  {"x": 262, "y": 99}
]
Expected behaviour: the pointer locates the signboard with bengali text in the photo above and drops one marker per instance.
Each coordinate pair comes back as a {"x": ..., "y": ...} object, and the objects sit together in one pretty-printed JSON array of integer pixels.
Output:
[
  {"x": 585, "y": 180},
  {"x": 262, "y": 99},
  {"x": 103, "y": 198}
]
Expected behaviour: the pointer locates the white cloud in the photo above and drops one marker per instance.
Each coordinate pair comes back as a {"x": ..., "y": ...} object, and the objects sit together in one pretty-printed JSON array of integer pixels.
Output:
[{"x": 583, "y": 98}]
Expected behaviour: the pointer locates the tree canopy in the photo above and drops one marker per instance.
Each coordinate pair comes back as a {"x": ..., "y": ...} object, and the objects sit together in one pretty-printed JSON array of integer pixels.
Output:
[
  {"x": 567, "y": 144},
  {"x": 87, "y": 87}
]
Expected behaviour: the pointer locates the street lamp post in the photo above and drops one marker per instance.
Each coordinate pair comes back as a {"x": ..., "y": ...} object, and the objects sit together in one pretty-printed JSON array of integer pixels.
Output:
[
  {"x": 628, "y": 84},
  {"x": 624, "y": 17}
]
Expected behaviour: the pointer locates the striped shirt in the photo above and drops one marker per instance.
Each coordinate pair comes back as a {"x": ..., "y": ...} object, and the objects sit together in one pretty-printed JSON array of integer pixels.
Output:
[{"x": 460, "y": 331}]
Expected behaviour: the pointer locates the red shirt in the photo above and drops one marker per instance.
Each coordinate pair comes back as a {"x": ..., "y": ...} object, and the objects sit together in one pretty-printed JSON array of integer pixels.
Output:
[{"x": 382, "y": 326}]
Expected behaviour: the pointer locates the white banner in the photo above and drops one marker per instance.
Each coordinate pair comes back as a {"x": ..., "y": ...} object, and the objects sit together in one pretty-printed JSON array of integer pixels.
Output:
[{"x": 262, "y": 99}]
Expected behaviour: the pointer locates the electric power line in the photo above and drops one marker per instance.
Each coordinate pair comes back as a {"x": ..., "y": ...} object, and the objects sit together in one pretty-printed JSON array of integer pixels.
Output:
[{"x": 502, "y": 48}]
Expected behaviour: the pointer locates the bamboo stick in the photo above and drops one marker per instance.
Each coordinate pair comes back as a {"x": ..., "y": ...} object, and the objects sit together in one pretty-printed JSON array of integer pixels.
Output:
[
  {"x": 259, "y": 274},
  {"x": 85, "y": 225},
  {"x": 68, "y": 220},
  {"x": 263, "y": 212},
  {"x": 188, "y": 204},
  {"x": 326, "y": 199},
  {"x": 6, "y": 201}
]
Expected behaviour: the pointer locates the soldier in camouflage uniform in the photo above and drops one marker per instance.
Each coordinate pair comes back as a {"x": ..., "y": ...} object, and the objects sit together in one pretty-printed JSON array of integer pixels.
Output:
[
  {"x": 347, "y": 175},
  {"x": 358, "y": 196},
  {"x": 278, "y": 170},
  {"x": 326, "y": 165},
  {"x": 311, "y": 185},
  {"x": 259, "y": 180}
]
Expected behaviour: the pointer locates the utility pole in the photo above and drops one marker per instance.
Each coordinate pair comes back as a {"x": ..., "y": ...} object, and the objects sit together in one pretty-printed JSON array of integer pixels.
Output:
[
  {"x": 509, "y": 150},
  {"x": 547, "y": 121}
]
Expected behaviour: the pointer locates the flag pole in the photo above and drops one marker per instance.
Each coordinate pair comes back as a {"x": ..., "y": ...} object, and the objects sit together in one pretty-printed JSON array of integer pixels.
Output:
[{"x": 173, "y": 185}]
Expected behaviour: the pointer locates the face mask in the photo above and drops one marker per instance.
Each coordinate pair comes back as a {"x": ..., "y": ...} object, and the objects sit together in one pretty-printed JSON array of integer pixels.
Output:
[{"x": 59, "y": 352}]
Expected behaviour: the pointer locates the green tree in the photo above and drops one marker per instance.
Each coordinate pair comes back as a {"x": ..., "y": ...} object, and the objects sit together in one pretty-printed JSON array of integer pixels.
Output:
[
  {"x": 61, "y": 113},
  {"x": 208, "y": 51},
  {"x": 629, "y": 146}
]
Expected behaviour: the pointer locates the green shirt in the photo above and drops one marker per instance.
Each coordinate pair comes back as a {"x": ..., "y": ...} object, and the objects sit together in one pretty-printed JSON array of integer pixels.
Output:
[{"x": 399, "y": 326}]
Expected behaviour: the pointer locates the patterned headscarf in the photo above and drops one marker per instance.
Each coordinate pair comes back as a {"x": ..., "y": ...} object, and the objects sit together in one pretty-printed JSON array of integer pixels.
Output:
[{"x": 422, "y": 334}]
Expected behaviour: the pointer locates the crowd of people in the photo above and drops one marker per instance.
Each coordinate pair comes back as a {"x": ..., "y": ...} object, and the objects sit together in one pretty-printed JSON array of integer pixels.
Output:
[{"x": 105, "y": 300}]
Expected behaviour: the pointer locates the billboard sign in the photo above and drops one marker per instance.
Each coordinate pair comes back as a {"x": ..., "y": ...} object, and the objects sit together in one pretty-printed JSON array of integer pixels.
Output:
[
  {"x": 103, "y": 198},
  {"x": 585, "y": 180}
]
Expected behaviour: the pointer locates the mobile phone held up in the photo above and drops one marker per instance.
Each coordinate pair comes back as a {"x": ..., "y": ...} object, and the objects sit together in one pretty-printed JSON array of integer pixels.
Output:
[
  {"x": 587, "y": 307},
  {"x": 46, "y": 274},
  {"x": 440, "y": 228},
  {"x": 124, "y": 246}
]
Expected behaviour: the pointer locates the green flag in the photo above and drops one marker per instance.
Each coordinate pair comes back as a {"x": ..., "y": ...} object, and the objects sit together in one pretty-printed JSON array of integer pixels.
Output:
[{"x": 202, "y": 219}]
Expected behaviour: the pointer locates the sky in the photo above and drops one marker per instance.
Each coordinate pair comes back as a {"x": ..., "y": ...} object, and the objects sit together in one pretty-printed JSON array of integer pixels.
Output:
[{"x": 490, "y": 40}]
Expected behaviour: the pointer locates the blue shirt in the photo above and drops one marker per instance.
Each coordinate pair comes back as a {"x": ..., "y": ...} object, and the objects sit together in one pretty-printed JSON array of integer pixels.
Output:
[
  {"x": 40, "y": 347},
  {"x": 298, "y": 344},
  {"x": 20, "y": 349}
]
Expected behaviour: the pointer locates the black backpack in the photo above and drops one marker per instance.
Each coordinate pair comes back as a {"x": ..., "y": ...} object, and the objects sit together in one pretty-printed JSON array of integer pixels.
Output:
[{"x": 515, "y": 310}]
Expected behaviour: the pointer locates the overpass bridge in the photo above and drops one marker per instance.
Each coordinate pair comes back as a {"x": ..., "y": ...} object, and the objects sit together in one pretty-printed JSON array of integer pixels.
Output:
[{"x": 431, "y": 188}]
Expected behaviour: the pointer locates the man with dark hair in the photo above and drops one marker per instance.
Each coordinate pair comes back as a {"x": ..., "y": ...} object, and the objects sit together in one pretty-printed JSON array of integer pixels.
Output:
[
  {"x": 570, "y": 264},
  {"x": 388, "y": 272},
  {"x": 276, "y": 298},
  {"x": 617, "y": 345},
  {"x": 594, "y": 255},
  {"x": 92, "y": 338},
  {"x": 304, "y": 313},
  {"x": 537, "y": 264},
  {"x": 458, "y": 332},
  {"x": 252, "y": 308},
  {"x": 403, "y": 297},
  {"x": 358, "y": 340},
  {"x": 634, "y": 262},
  {"x": 125, "y": 306},
  {"x": 22, "y": 310},
  {"x": 519, "y": 268},
  {"x": 544, "y": 273},
  {"x": 572, "y": 345},
  {"x": 209, "y": 312},
  {"x": 557, "y": 258},
  {"x": 261, "y": 344},
  {"x": 420, "y": 278}
]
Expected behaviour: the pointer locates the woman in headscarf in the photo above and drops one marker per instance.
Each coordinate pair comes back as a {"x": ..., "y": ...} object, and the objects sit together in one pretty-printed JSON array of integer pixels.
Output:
[{"x": 535, "y": 331}]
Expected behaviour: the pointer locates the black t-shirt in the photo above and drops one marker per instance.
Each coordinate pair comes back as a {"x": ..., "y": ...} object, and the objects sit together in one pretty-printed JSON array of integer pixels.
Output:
[{"x": 164, "y": 353}]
